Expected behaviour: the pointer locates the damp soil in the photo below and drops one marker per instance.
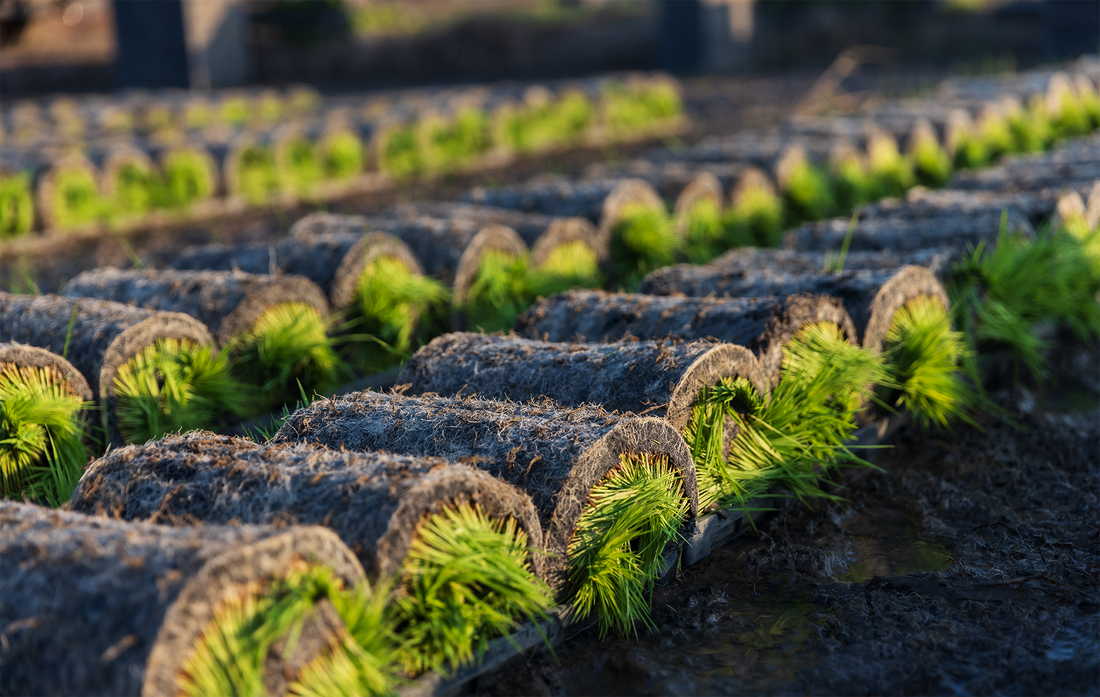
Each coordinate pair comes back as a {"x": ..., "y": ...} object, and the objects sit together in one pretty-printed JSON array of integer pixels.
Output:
[{"x": 968, "y": 564}]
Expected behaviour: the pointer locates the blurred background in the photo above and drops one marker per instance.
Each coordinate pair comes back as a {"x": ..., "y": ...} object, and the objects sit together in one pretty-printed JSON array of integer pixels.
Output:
[{"x": 99, "y": 45}]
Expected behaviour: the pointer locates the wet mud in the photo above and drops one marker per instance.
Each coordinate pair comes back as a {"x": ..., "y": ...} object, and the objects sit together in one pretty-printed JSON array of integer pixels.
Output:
[{"x": 967, "y": 564}]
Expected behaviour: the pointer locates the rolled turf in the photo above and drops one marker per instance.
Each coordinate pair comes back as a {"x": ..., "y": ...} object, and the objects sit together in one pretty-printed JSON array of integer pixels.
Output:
[
  {"x": 273, "y": 326},
  {"x": 127, "y": 604},
  {"x": 762, "y": 324},
  {"x": 43, "y": 402},
  {"x": 572, "y": 462},
  {"x": 109, "y": 341},
  {"x": 379, "y": 505},
  {"x": 640, "y": 235}
]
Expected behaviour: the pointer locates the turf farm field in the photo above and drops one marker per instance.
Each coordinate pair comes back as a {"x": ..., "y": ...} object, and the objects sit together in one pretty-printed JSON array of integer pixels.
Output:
[{"x": 805, "y": 408}]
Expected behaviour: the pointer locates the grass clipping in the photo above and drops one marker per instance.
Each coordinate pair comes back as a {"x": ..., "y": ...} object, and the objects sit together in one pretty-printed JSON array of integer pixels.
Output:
[
  {"x": 794, "y": 439},
  {"x": 41, "y": 452},
  {"x": 173, "y": 386},
  {"x": 616, "y": 550}
]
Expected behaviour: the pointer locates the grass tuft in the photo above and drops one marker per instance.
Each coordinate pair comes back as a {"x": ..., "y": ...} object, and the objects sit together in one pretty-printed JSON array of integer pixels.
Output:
[
  {"x": 229, "y": 658},
  {"x": 187, "y": 179},
  {"x": 16, "y": 206},
  {"x": 705, "y": 235},
  {"x": 642, "y": 241},
  {"x": 466, "y": 581},
  {"x": 499, "y": 292},
  {"x": 41, "y": 453},
  {"x": 892, "y": 173},
  {"x": 173, "y": 386},
  {"x": 931, "y": 165},
  {"x": 570, "y": 265},
  {"x": 925, "y": 356},
  {"x": 792, "y": 440},
  {"x": 536, "y": 127},
  {"x": 76, "y": 200},
  {"x": 445, "y": 144},
  {"x": 637, "y": 108},
  {"x": 809, "y": 193},
  {"x": 390, "y": 301},
  {"x": 1000, "y": 295},
  {"x": 257, "y": 178},
  {"x": 286, "y": 352},
  {"x": 755, "y": 218},
  {"x": 342, "y": 155},
  {"x": 617, "y": 547},
  {"x": 300, "y": 166}
]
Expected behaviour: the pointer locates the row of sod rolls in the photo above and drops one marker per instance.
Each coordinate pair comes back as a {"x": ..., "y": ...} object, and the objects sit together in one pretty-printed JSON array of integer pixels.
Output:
[
  {"x": 123, "y": 183},
  {"x": 461, "y": 550}
]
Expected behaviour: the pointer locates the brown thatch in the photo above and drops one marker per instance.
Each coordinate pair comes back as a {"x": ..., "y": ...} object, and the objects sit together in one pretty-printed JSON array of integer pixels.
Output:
[
  {"x": 761, "y": 324},
  {"x": 870, "y": 297},
  {"x": 652, "y": 377},
  {"x": 555, "y": 455},
  {"x": 21, "y": 356},
  {"x": 105, "y": 336},
  {"x": 373, "y": 501},
  {"x": 102, "y": 607},
  {"x": 227, "y": 303}
]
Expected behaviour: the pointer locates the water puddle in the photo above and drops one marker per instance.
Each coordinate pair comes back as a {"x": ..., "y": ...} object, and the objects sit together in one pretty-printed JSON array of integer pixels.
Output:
[{"x": 887, "y": 542}]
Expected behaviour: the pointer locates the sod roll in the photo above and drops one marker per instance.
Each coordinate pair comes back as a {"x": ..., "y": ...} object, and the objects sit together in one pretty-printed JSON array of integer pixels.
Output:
[
  {"x": 563, "y": 231},
  {"x": 554, "y": 454},
  {"x": 226, "y": 302},
  {"x": 103, "y": 607},
  {"x": 761, "y": 324},
  {"x": 942, "y": 220},
  {"x": 871, "y": 297},
  {"x": 332, "y": 259},
  {"x": 97, "y": 336},
  {"x": 373, "y": 501},
  {"x": 23, "y": 356},
  {"x": 653, "y": 377},
  {"x": 716, "y": 276}
]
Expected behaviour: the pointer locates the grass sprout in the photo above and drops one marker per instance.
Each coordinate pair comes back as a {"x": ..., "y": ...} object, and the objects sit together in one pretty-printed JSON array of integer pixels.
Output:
[
  {"x": 617, "y": 547},
  {"x": 172, "y": 386},
  {"x": 467, "y": 581},
  {"x": 41, "y": 452}
]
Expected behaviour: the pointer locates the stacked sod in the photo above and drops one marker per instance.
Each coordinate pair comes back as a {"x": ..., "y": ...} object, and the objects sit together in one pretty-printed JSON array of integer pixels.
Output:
[
  {"x": 150, "y": 372},
  {"x": 600, "y": 482},
  {"x": 374, "y": 282},
  {"x": 129, "y": 605},
  {"x": 905, "y": 309},
  {"x": 763, "y": 325},
  {"x": 273, "y": 327},
  {"x": 42, "y": 420},
  {"x": 384, "y": 507}
]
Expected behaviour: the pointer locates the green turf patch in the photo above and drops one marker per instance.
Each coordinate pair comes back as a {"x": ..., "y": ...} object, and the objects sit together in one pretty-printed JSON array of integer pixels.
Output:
[
  {"x": 1000, "y": 295},
  {"x": 75, "y": 200},
  {"x": 808, "y": 193},
  {"x": 230, "y": 656},
  {"x": 853, "y": 184},
  {"x": 257, "y": 178},
  {"x": 342, "y": 155},
  {"x": 931, "y": 165},
  {"x": 300, "y": 165},
  {"x": 133, "y": 190},
  {"x": 616, "y": 549},
  {"x": 399, "y": 155},
  {"x": 467, "y": 581},
  {"x": 533, "y": 128},
  {"x": 390, "y": 302},
  {"x": 642, "y": 240},
  {"x": 925, "y": 356},
  {"x": 568, "y": 266},
  {"x": 286, "y": 354},
  {"x": 892, "y": 173},
  {"x": 41, "y": 453},
  {"x": 173, "y": 386},
  {"x": 187, "y": 179},
  {"x": 499, "y": 292},
  {"x": 755, "y": 218},
  {"x": 633, "y": 109},
  {"x": 792, "y": 440},
  {"x": 445, "y": 144},
  {"x": 705, "y": 235},
  {"x": 16, "y": 206}
]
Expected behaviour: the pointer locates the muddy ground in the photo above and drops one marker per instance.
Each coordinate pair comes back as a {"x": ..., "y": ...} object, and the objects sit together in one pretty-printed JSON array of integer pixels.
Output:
[{"x": 969, "y": 564}]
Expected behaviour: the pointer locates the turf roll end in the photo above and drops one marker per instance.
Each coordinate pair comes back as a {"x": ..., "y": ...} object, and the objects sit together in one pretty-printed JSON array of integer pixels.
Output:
[
  {"x": 286, "y": 354},
  {"x": 489, "y": 286},
  {"x": 617, "y": 548}
]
